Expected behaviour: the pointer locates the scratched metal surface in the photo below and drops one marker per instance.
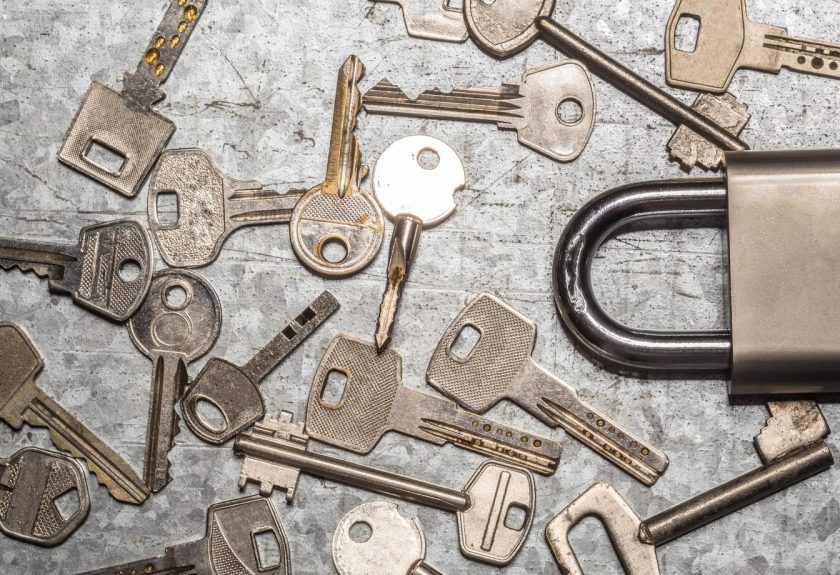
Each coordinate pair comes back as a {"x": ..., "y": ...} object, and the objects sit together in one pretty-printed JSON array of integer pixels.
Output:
[{"x": 255, "y": 88}]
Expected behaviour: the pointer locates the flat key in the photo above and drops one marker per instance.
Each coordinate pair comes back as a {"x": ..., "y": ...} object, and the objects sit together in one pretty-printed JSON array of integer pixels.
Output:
[
  {"x": 178, "y": 323},
  {"x": 374, "y": 401},
  {"x": 210, "y": 207},
  {"x": 499, "y": 366},
  {"x": 124, "y": 123},
  {"x": 233, "y": 390},
  {"x": 441, "y": 20},
  {"x": 22, "y": 401},
  {"x": 552, "y": 109},
  {"x": 415, "y": 198},
  {"x": 108, "y": 271}
]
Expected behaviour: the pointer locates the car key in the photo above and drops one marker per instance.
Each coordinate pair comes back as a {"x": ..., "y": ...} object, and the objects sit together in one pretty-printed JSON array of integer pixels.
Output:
[
  {"x": 22, "y": 401},
  {"x": 552, "y": 109},
  {"x": 499, "y": 366},
  {"x": 124, "y": 123},
  {"x": 415, "y": 197},
  {"x": 178, "y": 323},
  {"x": 374, "y": 401},
  {"x": 233, "y": 389},
  {"x": 441, "y": 20},
  {"x": 276, "y": 454},
  {"x": 108, "y": 271},
  {"x": 229, "y": 547}
]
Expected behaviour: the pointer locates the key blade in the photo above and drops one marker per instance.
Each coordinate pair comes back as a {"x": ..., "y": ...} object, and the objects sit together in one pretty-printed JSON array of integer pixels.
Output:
[
  {"x": 169, "y": 378},
  {"x": 344, "y": 164},
  {"x": 805, "y": 55},
  {"x": 503, "y": 29},
  {"x": 44, "y": 260},
  {"x": 164, "y": 565},
  {"x": 690, "y": 149},
  {"x": 404, "y": 243},
  {"x": 792, "y": 425}
]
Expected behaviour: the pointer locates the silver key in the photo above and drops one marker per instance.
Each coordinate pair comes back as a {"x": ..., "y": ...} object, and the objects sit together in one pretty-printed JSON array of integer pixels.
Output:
[
  {"x": 415, "y": 198},
  {"x": 124, "y": 123},
  {"x": 499, "y": 366},
  {"x": 440, "y": 20},
  {"x": 552, "y": 109}
]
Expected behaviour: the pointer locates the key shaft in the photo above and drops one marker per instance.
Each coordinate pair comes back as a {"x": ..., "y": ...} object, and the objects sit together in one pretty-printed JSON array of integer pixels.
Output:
[
  {"x": 404, "y": 243},
  {"x": 344, "y": 163}
]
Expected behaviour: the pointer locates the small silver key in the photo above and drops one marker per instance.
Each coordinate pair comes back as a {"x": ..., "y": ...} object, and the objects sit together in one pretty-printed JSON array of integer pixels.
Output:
[
  {"x": 552, "y": 109},
  {"x": 441, "y": 20},
  {"x": 124, "y": 123},
  {"x": 416, "y": 195}
]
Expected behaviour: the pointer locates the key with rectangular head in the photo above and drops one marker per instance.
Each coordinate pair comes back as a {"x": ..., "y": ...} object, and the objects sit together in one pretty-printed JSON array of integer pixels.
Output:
[
  {"x": 499, "y": 366},
  {"x": 439, "y": 20}
]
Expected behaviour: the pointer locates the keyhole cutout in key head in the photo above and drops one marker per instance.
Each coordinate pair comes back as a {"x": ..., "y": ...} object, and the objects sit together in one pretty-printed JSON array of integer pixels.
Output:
[{"x": 504, "y": 27}]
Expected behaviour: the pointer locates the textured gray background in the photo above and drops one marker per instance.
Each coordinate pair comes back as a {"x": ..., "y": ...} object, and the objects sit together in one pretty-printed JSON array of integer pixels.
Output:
[{"x": 255, "y": 88}]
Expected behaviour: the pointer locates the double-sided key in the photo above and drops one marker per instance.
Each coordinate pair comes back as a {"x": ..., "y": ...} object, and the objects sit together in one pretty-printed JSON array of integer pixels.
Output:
[
  {"x": 178, "y": 323},
  {"x": 22, "y": 401},
  {"x": 552, "y": 109},
  {"x": 499, "y": 366},
  {"x": 441, "y": 20},
  {"x": 374, "y": 401},
  {"x": 108, "y": 271},
  {"x": 124, "y": 123}
]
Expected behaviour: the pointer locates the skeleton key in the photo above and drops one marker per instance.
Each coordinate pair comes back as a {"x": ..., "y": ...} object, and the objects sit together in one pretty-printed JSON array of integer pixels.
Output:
[
  {"x": 416, "y": 197},
  {"x": 728, "y": 41},
  {"x": 375, "y": 401},
  {"x": 499, "y": 366},
  {"x": 211, "y": 206},
  {"x": 232, "y": 545},
  {"x": 108, "y": 271},
  {"x": 22, "y": 401},
  {"x": 438, "y": 20},
  {"x": 552, "y": 110},
  {"x": 124, "y": 123},
  {"x": 233, "y": 390},
  {"x": 178, "y": 323}
]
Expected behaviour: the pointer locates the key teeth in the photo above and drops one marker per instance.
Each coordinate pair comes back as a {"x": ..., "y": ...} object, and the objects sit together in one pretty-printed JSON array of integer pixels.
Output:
[
  {"x": 791, "y": 425},
  {"x": 40, "y": 270}
]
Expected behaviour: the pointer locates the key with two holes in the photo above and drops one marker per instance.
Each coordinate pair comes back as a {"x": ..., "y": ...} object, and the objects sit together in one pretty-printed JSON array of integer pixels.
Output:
[{"x": 500, "y": 366}]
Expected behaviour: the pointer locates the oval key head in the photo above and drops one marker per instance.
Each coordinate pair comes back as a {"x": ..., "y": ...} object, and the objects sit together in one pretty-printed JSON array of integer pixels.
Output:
[{"x": 504, "y": 27}]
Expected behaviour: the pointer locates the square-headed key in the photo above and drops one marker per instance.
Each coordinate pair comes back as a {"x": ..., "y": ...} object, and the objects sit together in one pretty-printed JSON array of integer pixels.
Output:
[{"x": 124, "y": 122}]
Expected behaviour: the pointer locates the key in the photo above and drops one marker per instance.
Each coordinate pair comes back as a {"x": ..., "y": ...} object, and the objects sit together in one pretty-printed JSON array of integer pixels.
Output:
[
  {"x": 415, "y": 198},
  {"x": 728, "y": 41},
  {"x": 243, "y": 536},
  {"x": 441, "y": 20},
  {"x": 499, "y": 366},
  {"x": 22, "y": 401},
  {"x": 374, "y": 401},
  {"x": 31, "y": 481},
  {"x": 635, "y": 541},
  {"x": 276, "y": 454},
  {"x": 107, "y": 272},
  {"x": 124, "y": 123},
  {"x": 233, "y": 390},
  {"x": 552, "y": 109},
  {"x": 178, "y": 323}
]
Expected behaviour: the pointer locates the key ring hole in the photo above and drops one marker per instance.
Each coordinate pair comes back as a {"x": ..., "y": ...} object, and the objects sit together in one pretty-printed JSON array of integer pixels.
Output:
[
  {"x": 130, "y": 270},
  {"x": 176, "y": 295},
  {"x": 333, "y": 249},
  {"x": 570, "y": 111},
  {"x": 360, "y": 532},
  {"x": 209, "y": 414},
  {"x": 428, "y": 159}
]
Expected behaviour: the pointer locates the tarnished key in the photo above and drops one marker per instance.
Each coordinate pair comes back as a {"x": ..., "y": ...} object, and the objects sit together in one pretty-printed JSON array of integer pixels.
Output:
[
  {"x": 441, "y": 20},
  {"x": 108, "y": 271},
  {"x": 499, "y": 366},
  {"x": 416, "y": 194},
  {"x": 22, "y": 401},
  {"x": 178, "y": 323},
  {"x": 124, "y": 123},
  {"x": 232, "y": 390},
  {"x": 244, "y": 536},
  {"x": 374, "y": 401},
  {"x": 552, "y": 109}
]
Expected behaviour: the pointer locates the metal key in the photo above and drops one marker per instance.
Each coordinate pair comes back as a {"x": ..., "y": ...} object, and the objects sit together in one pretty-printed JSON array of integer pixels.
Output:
[
  {"x": 499, "y": 366},
  {"x": 178, "y": 323},
  {"x": 237, "y": 530},
  {"x": 233, "y": 390},
  {"x": 552, "y": 109},
  {"x": 124, "y": 123},
  {"x": 31, "y": 481},
  {"x": 415, "y": 197},
  {"x": 276, "y": 454},
  {"x": 728, "y": 41},
  {"x": 108, "y": 271},
  {"x": 22, "y": 401},
  {"x": 635, "y": 541},
  {"x": 439, "y": 20}
]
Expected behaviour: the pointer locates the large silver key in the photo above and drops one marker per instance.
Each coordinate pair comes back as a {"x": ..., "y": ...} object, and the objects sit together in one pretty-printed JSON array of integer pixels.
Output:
[
  {"x": 499, "y": 366},
  {"x": 728, "y": 41},
  {"x": 276, "y": 454},
  {"x": 374, "y": 401},
  {"x": 178, "y": 323},
  {"x": 124, "y": 123},
  {"x": 802, "y": 454},
  {"x": 108, "y": 271},
  {"x": 22, "y": 401},
  {"x": 441, "y": 20},
  {"x": 416, "y": 196},
  {"x": 552, "y": 109}
]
